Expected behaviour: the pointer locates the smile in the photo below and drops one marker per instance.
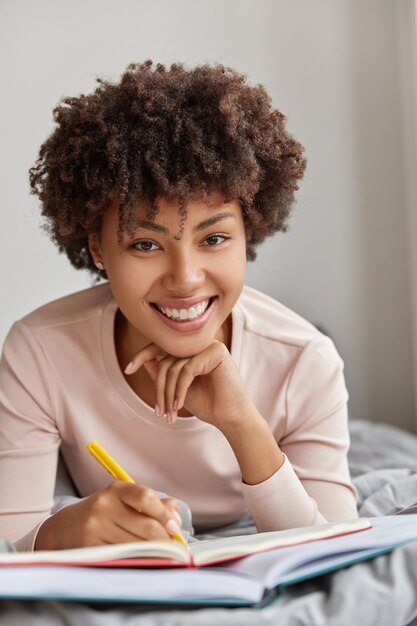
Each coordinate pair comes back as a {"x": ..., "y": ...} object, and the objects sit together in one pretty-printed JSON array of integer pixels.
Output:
[{"x": 185, "y": 314}]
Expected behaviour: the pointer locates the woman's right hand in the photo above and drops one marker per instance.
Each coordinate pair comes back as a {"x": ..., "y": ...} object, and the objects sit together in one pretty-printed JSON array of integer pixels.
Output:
[{"x": 120, "y": 513}]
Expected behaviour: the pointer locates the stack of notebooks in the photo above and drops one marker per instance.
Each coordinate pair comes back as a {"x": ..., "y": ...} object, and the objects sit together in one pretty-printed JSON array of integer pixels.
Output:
[{"x": 244, "y": 570}]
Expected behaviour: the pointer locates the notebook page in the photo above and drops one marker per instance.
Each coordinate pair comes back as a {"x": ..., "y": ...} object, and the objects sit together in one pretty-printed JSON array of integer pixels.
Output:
[
  {"x": 94, "y": 554},
  {"x": 213, "y": 549},
  {"x": 79, "y": 583},
  {"x": 285, "y": 564}
]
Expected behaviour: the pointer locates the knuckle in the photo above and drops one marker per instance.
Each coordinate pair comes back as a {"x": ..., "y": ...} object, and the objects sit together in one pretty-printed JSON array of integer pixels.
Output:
[
  {"x": 101, "y": 500},
  {"x": 152, "y": 528},
  {"x": 171, "y": 502},
  {"x": 147, "y": 496},
  {"x": 115, "y": 489},
  {"x": 219, "y": 347},
  {"x": 90, "y": 529},
  {"x": 178, "y": 365},
  {"x": 166, "y": 362},
  {"x": 188, "y": 370}
]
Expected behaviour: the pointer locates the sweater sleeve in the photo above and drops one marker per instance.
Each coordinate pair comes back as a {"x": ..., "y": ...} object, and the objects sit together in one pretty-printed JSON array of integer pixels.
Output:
[
  {"x": 313, "y": 485},
  {"x": 29, "y": 439}
]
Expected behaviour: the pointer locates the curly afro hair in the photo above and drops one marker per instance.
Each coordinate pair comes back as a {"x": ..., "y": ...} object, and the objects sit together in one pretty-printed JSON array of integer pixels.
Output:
[{"x": 172, "y": 133}]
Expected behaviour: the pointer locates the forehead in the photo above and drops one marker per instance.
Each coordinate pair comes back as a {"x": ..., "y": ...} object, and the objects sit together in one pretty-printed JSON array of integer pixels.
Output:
[
  {"x": 197, "y": 214},
  {"x": 170, "y": 221},
  {"x": 165, "y": 208}
]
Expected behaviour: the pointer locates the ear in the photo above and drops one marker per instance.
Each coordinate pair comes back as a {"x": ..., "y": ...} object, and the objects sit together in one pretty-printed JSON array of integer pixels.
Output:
[
  {"x": 94, "y": 245},
  {"x": 95, "y": 249}
]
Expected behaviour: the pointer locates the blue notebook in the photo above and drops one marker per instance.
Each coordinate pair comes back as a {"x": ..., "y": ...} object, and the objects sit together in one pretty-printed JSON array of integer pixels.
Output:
[{"x": 243, "y": 581}]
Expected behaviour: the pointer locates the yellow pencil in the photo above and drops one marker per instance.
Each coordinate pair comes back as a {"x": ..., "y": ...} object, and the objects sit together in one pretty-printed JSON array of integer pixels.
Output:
[{"x": 104, "y": 458}]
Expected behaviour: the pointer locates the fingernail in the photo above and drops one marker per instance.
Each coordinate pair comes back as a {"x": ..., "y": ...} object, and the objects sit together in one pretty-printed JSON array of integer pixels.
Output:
[
  {"x": 177, "y": 516},
  {"x": 175, "y": 405},
  {"x": 169, "y": 418},
  {"x": 172, "y": 527},
  {"x": 157, "y": 410},
  {"x": 129, "y": 367}
]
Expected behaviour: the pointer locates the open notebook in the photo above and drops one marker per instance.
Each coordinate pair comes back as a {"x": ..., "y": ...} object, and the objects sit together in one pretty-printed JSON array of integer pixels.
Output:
[
  {"x": 172, "y": 553},
  {"x": 254, "y": 579}
]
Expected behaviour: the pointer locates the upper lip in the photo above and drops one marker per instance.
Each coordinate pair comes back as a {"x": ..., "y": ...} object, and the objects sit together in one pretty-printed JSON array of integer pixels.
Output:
[{"x": 181, "y": 303}]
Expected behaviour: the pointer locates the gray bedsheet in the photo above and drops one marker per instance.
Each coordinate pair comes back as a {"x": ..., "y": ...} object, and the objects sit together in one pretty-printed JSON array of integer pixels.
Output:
[{"x": 381, "y": 592}]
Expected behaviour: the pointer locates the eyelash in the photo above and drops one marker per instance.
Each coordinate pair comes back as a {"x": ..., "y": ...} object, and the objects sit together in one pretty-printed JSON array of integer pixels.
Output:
[
  {"x": 142, "y": 241},
  {"x": 138, "y": 243},
  {"x": 217, "y": 236}
]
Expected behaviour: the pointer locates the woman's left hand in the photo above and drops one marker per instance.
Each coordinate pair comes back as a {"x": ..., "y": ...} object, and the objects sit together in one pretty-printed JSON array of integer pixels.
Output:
[{"x": 208, "y": 385}]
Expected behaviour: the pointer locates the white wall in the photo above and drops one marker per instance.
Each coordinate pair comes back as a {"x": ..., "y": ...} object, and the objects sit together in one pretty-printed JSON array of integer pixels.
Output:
[
  {"x": 335, "y": 68},
  {"x": 407, "y": 50}
]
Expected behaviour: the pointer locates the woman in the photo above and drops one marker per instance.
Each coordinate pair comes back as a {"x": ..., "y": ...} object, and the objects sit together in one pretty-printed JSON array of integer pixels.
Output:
[{"x": 202, "y": 388}]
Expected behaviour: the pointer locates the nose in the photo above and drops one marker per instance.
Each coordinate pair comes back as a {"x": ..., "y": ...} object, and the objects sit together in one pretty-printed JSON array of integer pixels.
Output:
[{"x": 183, "y": 274}]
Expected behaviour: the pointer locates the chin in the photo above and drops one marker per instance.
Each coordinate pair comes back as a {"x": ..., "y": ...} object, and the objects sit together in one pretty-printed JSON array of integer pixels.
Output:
[{"x": 188, "y": 349}]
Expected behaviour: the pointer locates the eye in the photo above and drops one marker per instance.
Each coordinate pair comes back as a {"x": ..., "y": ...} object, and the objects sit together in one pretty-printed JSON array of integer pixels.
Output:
[
  {"x": 145, "y": 246},
  {"x": 215, "y": 240}
]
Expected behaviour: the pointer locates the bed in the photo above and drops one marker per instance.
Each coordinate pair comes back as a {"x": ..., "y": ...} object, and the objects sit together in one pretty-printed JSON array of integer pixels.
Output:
[{"x": 380, "y": 592}]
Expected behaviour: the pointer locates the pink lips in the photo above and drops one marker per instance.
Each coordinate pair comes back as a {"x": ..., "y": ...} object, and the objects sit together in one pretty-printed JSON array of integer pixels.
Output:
[
  {"x": 181, "y": 303},
  {"x": 189, "y": 325}
]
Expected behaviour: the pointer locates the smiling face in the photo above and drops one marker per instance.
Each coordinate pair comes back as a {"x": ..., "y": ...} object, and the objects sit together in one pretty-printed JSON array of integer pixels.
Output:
[{"x": 175, "y": 290}]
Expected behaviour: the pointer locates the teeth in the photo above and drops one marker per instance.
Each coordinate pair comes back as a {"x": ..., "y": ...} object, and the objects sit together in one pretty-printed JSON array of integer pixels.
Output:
[{"x": 185, "y": 314}]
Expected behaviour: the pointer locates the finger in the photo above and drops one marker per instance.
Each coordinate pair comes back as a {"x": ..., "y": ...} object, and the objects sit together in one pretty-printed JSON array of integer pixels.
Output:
[
  {"x": 170, "y": 388},
  {"x": 149, "y": 352},
  {"x": 133, "y": 526},
  {"x": 172, "y": 502},
  {"x": 145, "y": 501},
  {"x": 174, "y": 506},
  {"x": 200, "y": 365},
  {"x": 129, "y": 525},
  {"x": 111, "y": 518},
  {"x": 184, "y": 382},
  {"x": 160, "y": 380},
  {"x": 152, "y": 368}
]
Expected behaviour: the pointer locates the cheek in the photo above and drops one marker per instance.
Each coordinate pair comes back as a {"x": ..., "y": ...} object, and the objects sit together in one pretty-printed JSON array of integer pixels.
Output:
[
  {"x": 128, "y": 281},
  {"x": 232, "y": 270}
]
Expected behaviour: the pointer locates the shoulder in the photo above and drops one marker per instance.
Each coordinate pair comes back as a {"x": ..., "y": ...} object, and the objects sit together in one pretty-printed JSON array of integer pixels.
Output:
[
  {"x": 56, "y": 324},
  {"x": 268, "y": 318},
  {"x": 293, "y": 358},
  {"x": 278, "y": 335},
  {"x": 76, "y": 307}
]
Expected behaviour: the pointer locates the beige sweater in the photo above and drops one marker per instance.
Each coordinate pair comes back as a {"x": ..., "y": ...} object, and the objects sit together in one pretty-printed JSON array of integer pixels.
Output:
[{"x": 61, "y": 386}]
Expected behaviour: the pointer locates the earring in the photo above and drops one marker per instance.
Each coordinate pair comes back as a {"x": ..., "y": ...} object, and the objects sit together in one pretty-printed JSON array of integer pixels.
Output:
[{"x": 99, "y": 265}]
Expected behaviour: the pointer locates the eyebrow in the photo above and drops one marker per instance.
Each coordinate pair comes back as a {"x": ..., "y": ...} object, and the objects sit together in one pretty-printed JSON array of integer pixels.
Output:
[
  {"x": 148, "y": 225},
  {"x": 213, "y": 220}
]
